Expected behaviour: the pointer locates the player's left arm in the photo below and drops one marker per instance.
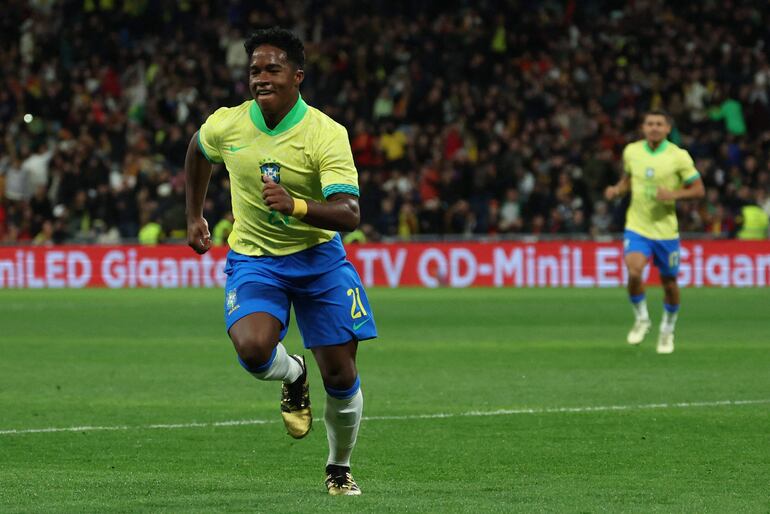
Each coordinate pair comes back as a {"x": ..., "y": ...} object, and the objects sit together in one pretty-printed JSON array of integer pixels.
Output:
[
  {"x": 339, "y": 212},
  {"x": 689, "y": 191},
  {"x": 692, "y": 187}
]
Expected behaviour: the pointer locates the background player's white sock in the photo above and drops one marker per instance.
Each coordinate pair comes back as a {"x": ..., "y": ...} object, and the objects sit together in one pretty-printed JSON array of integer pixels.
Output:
[
  {"x": 279, "y": 367},
  {"x": 639, "y": 303},
  {"x": 670, "y": 313},
  {"x": 343, "y": 417}
]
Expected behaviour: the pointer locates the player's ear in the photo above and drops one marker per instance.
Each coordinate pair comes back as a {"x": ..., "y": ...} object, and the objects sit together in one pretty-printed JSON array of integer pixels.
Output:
[{"x": 299, "y": 76}]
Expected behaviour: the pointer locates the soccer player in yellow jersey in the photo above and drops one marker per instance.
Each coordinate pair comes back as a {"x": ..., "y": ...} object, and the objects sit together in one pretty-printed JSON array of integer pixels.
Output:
[
  {"x": 658, "y": 173},
  {"x": 294, "y": 185}
]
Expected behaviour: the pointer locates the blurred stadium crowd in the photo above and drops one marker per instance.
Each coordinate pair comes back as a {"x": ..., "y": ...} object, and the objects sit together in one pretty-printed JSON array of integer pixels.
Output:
[{"x": 465, "y": 117}]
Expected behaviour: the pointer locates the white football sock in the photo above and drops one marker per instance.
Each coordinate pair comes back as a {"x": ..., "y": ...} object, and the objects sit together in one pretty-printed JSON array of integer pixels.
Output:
[
  {"x": 668, "y": 322},
  {"x": 640, "y": 310},
  {"x": 282, "y": 367},
  {"x": 342, "y": 417}
]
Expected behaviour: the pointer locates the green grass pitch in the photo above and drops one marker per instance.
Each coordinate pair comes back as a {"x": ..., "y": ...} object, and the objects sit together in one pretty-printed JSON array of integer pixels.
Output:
[{"x": 589, "y": 424}]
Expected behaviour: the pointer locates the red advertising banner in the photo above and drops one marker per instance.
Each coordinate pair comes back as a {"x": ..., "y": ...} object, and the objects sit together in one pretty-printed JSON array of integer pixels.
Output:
[
  {"x": 553, "y": 264},
  {"x": 504, "y": 264},
  {"x": 166, "y": 266}
]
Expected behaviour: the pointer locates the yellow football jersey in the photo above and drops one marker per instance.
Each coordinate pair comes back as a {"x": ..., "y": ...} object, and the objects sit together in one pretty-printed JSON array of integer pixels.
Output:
[
  {"x": 669, "y": 167},
  {"x": 307, "y": 153}
]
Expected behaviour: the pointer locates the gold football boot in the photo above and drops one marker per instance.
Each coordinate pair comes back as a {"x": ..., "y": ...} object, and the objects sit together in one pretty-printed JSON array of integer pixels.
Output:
[
  {"x": 295, "y": 404},
  {"x": 339, "y": 481}
]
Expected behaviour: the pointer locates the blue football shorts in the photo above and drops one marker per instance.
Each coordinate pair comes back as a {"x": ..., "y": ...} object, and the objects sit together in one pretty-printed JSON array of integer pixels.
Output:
[
  {"x": 665, "y": 252},
  {"x": 329, "y": 299}
]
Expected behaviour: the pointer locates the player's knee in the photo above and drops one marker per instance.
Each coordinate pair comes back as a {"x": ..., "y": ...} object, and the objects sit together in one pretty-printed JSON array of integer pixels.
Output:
[
  {"x": 340, "y": 377},
  {"x": 254, "y": 357},
  {"x": 635, "y": 273},
  {"x": 253, "y": 349},
  {"x": 669, "y": 284}
]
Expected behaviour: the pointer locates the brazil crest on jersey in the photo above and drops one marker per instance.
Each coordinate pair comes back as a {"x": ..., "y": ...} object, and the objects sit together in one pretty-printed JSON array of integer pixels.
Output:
[
  {"x": 668, "y": 167},
  {"x": 307, "y": 153}
]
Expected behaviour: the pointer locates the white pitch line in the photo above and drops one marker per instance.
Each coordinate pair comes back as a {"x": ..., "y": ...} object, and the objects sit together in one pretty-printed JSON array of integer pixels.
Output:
[
  {"x": 166, "y": 426},
  {"x": 476, "y": 413},
  {"x": 557, "y": 410}
]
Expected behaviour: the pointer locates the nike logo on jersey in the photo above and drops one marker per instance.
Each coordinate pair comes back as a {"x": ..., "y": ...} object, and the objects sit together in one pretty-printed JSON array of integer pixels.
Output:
[
  {"x": 234, "y": 149},
  {"x": 356, "y": 326}
]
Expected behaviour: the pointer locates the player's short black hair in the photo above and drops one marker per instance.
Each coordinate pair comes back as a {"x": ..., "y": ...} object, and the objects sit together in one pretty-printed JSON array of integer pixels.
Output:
[
  {"x": 279, "y": 38},
  {"x": 659, "y": 112}
]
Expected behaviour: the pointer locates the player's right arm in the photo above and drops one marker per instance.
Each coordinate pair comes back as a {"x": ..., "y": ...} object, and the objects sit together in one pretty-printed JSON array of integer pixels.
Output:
[
  {"x": 197, "y": 169},
  {"x": 339, "y": 185},
  {"x": 624, "y": 185},
  {"x": 620, "y": 189}
]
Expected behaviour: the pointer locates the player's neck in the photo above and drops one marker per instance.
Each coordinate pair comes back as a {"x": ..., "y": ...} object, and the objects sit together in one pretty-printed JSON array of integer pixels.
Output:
[
  {"x": 654, "y": 145},
  {"x": 273, "y": 119}
]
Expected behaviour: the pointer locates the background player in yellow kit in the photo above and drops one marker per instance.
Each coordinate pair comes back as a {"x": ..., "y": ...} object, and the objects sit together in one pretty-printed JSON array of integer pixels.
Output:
[
  {"x": 294, "y": 185},
  {"x": 657, "y": 172}
]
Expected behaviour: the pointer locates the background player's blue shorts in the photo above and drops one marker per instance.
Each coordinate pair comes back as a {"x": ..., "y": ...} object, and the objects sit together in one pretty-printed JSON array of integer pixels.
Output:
[
  {"x": 328, "y": 297},
  {"x": 665, "y": 252}
]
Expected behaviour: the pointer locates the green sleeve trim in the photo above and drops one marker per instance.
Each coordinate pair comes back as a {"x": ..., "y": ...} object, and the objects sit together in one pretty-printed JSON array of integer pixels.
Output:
[
  {"x": 692, "y": 179},
  {"x": 203, "y": 151},
  {"x": 340, "y": 188}
]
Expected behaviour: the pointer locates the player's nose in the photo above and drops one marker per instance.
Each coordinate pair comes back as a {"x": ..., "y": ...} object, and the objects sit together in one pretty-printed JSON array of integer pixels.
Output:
[{"x": 262, "y": 78}]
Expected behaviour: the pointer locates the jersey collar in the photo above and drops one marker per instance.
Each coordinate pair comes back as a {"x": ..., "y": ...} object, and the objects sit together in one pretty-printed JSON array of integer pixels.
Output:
[
  {"x": 293, "y": 117},
  {"x": 660, "y": 149}
]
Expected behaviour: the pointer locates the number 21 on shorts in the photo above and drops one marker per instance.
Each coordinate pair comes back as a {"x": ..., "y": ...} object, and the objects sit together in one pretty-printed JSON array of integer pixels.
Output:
[
  {"x": 357, "y": 308},
  {"x": 673, "y": 259}
]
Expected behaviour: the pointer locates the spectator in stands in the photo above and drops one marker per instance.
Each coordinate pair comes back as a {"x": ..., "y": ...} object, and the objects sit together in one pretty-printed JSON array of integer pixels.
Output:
[
  {"x": 458, "y": 102},
  {"x": 223, "y": 229},
  {"x": 407, "y": 221},
  {"x": 601, "y": 221},
  {"x": 753, "y": 221},
  {"x": 510, "y": 212},
  {"x": 17, "y": 184}
]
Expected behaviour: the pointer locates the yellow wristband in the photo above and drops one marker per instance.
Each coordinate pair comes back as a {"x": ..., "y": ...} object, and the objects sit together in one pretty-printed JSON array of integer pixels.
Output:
[{"x": 300, "y": 208}]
